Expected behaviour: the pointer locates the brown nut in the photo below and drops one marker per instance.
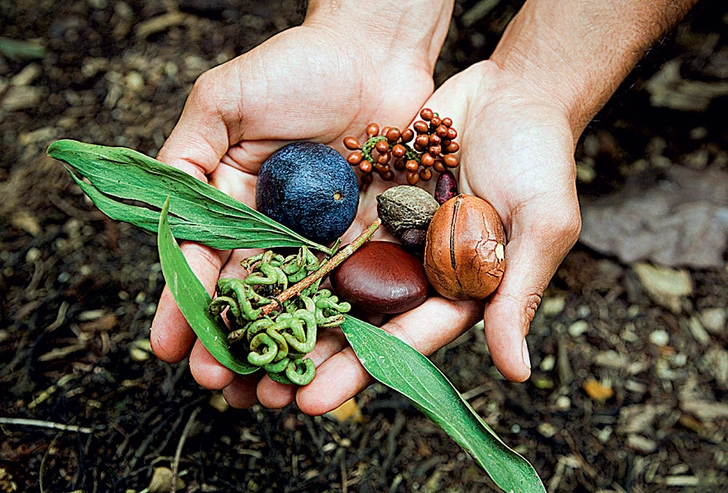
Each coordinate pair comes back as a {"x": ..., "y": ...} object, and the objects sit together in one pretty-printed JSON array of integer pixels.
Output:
[
  {"x": 381, "y": 277},
  {"x": 464, "y": 250}
]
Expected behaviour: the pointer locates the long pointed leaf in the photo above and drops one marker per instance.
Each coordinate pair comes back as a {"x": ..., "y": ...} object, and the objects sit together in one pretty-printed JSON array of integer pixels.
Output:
[
  {"x": 201, "y": 213},
  {"x": 193, "y": 300},
  {"x": 404, "y": 369}
]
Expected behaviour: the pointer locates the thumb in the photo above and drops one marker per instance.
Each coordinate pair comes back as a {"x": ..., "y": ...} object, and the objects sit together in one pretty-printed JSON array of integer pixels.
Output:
[{"x": 539, "y": 244}]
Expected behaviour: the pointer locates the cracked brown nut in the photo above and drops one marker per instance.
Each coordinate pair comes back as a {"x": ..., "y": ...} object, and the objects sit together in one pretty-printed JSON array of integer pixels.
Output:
[{"x": 465, "y": 249}]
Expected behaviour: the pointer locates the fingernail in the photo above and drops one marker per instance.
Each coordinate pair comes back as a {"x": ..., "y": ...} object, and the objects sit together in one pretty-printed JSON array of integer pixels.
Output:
[{"x": 526, "y": 356}]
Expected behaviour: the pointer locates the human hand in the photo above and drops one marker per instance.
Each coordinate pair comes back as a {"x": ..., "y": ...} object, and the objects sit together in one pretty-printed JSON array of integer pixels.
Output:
[
  {"x": 320, "y": 82},
  {"x": 517, "y": 153}
]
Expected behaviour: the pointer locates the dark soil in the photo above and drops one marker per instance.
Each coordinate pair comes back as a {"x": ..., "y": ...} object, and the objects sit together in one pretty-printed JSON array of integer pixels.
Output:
[{"x": 78, "y": 291}]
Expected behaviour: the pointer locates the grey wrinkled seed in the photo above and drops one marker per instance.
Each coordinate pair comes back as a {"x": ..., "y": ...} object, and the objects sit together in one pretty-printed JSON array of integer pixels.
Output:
[{"x": 406, "y": 207}]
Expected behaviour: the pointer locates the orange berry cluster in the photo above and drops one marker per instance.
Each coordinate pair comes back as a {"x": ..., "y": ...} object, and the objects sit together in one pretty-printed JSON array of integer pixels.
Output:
[{"x": 428, "y": 145}]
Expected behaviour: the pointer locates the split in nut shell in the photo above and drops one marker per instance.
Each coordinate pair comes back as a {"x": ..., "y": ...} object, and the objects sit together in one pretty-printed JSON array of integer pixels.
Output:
[{"x": 418, "y": 151}]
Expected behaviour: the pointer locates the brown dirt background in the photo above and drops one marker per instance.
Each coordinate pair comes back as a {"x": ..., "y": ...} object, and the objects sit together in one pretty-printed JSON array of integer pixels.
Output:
[{"x": 78, "y": 291}]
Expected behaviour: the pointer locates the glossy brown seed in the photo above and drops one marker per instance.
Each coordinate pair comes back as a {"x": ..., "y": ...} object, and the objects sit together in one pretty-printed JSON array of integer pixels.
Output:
[
  {"x": 381, "y": 168},
  {"x": 421, "y": 127},
  {"x": 412, "y": 165},
  {"x": 425, "y": 174},
  {"x": 465, "y": 249},
  {"x": 435, "y": 122},
  {"x": 387, "y": 175},
  {"x": 398, "y": 150},
  {"x": 426, "y": 114},
  {"x": 407, "y": 135},
  {"x": 382, "y": 146},
  {"x": 441, "y": 130},
  {"x": 446, "y": 187},
  {"x": 366, "y": 178},
  {"x": 427, "y": 160},
  {"x": 384, "y": 158},
  {"x": 385, "y": 130},
  {"x": 439, "y": 166},
  {"x": 365, "y": 167},
  {"x": 372, "y": 129},
  {"x": 450, "y": 161},
  {"x": 413, "y": 177},
  {"x": 422, "y": 140},
  {"x": 355, "y": 158},
  {"x": 381, "y": 277},
  {"x": 418, "y": 147},
  {"x": 452, "y": 147},
  {"x": 447, "y": 121},
  {"x": 399, "y": 164},
  {"x": 351, "y": 143},
  {"x": 435, "y": 140},
  {"x": 452, "y": 134},
  {"x": 435, "y": 150},
  {"x": 393, "y": 135}
]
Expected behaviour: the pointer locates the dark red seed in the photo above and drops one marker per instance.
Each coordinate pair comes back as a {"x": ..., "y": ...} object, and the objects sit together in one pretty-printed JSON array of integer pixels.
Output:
[
  {"x": 387, "y": 175},
  {"x": 365, "y": 167},
  {"x": 435, "y": 140},
  {"x": 398, "y": 150},
  {"x": 441, "y": 131},
  {"x": 384, "y": 158},
  {"x": 435, "y": 150},
  {"x": 413, "y": 239},
  {"x": 446, "y": 187},
  {"x": 399, "y": 164},
  {"x": 452, "y": 134},
  {"x": 435, "y": 122},
  {"x": 407, "y": 135},
  {"x": 393, "y": 135},
  {"x": 366, "y": 178},
  {"x": 426, "y": 114},
  {"x": 447, "y": 121}
]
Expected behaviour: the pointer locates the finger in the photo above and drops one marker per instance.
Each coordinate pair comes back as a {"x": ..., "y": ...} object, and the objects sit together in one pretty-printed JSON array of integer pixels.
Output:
[
  {"x": 538, "y": 246},
  {"x": 208, "y": 371},
  {"x": 275, "y": 395},
  {"x": 426, "y": 328},
  {"x": 171, "y": 336},
  {"x": 240, "y": 393}
]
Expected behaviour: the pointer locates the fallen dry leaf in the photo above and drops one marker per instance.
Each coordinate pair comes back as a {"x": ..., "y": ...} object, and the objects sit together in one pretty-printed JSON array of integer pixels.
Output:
[
  {"x": 676, "y": 217},
  {"x": 597, "y": 390}
]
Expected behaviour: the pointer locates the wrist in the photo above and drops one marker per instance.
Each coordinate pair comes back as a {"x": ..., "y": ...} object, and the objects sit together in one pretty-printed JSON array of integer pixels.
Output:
[
  {"x": 575, "y": 53},
  {"x": 408, "y": 31}
]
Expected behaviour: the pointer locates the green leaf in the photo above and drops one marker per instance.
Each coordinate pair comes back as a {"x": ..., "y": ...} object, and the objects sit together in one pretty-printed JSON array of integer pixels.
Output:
[
  {"x": 193, "y": 300},
  {"x": 129, "y": 186},
  {"x": 404, "y": 369}
]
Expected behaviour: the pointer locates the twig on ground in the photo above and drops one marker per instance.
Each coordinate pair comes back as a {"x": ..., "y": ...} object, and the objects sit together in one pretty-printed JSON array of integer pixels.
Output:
[
  {"x": 180, "y": 445},
  {"x": 44, "y": 424}
]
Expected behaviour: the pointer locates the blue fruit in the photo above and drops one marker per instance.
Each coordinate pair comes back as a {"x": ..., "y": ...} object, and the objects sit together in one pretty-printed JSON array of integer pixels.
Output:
[{"x": 310, "y": 188}]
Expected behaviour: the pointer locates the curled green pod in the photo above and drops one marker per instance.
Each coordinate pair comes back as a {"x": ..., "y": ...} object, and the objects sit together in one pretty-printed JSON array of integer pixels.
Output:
[{"x": 294, "y": 373}]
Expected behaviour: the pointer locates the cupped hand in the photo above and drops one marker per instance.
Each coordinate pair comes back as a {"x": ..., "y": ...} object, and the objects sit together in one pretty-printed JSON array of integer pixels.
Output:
[
  {"x": 517, "y": 153},
  {"x": 307, "y": 83}
]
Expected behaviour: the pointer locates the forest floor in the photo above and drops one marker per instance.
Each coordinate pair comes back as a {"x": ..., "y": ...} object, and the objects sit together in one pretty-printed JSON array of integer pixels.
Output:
[{"x": 629, "y": 391}]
